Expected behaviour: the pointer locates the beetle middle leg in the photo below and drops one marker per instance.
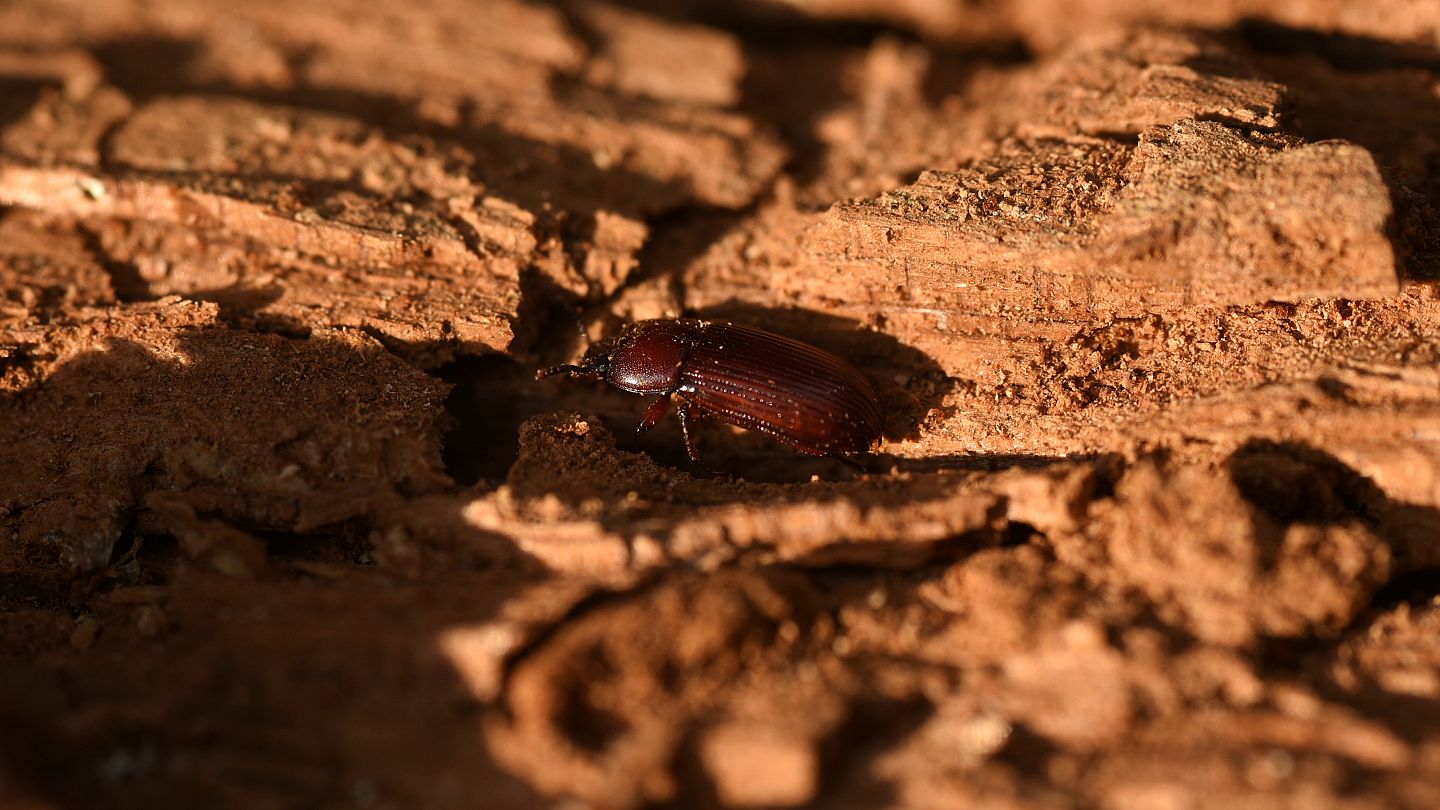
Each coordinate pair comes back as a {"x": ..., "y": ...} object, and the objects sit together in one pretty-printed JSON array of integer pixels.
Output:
[{"x": 683, "y": 411}]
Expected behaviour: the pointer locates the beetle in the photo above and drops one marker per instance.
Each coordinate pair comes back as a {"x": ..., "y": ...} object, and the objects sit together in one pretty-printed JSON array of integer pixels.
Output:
[{"x": 801, "y": 395}]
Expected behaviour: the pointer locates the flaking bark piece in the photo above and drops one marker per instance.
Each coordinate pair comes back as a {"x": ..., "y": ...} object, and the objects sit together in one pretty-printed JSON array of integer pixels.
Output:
[
  {"x": 1196, "y": 213},
  {"x": 304, "y": 267},
  {"x": 580, "y": 506}
]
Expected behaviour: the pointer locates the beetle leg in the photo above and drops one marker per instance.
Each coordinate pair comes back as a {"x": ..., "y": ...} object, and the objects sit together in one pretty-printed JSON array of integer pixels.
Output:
[
  {"x": 653, "y": 414},
  {"x": 684, "y": 413}
]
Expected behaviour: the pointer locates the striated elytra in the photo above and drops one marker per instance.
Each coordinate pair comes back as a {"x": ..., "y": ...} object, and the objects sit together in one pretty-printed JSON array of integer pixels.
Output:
[{"x": 803, "y": 396}]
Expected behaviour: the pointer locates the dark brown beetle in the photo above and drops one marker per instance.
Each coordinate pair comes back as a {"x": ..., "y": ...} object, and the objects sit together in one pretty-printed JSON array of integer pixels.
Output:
[{"x": 803, "y": 396}]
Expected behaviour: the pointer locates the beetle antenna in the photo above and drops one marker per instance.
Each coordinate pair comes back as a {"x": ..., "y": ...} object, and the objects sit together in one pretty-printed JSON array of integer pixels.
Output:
[
  {"x": 570, "y": 367},
  {"x": 573, "y": 310},
  {"x": 574, "y": 313},
  {"x": 580, "y": 327}
]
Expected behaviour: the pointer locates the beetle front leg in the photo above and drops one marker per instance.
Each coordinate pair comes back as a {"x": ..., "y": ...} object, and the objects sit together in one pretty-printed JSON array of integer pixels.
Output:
[{"x": 653, "y": 414}]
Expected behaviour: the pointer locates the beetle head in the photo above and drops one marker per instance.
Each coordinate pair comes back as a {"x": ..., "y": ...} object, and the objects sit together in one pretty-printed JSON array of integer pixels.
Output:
[
  {"x": 644, "y": 358},
  {"x": 595, "y": 363}
]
